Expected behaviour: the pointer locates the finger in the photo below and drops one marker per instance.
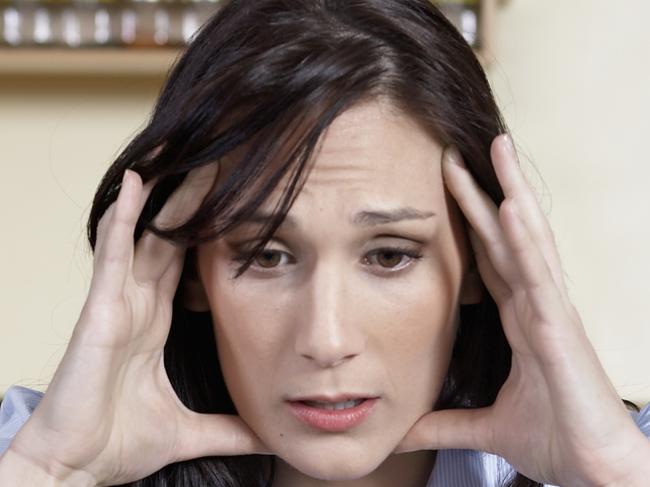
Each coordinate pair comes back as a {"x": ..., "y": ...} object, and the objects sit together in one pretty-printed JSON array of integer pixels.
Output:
[
  {"x": 515, "y": 186},
  {"x": 451, "y": 428},
  {"x": 495, "y": 285},
  {"x": 104, "y": 221},
  {"x": 102, "y": 226},
  {"x": 113, "y": 254},
  {"x": 156, "y": 257},
  {"x": 534, "y": 273},
  {"x": 217, "y": 435},
  {"x": 479, "y": 210}
]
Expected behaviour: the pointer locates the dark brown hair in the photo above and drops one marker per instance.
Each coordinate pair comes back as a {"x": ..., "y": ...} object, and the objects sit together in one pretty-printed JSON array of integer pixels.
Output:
[{"x": 270, "y": 76}]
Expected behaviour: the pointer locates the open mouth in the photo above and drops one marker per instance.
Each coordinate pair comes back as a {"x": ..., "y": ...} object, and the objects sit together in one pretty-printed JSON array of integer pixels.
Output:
[
  {"x": 333, "y": 416},
  {"x": 334, "y": 406}
]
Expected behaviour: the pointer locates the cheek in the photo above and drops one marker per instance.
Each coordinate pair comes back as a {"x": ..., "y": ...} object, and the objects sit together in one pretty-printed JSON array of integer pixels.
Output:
[
  {"x": 417, "y": 342},
  {"x": 247, "y": 344},
  {"x": 419, "y": 324}
]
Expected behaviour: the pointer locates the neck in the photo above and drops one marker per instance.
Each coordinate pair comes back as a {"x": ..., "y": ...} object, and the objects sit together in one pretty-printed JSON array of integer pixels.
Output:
[{"x": 406, "y": 470}]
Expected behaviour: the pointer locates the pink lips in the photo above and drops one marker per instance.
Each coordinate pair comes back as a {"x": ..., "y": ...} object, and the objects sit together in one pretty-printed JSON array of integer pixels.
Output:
[{"x": 334, "y": 420}]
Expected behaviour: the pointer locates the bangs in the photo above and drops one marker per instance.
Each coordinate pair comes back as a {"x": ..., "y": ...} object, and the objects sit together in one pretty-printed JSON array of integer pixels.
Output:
[{"x": 250, "y": 171}]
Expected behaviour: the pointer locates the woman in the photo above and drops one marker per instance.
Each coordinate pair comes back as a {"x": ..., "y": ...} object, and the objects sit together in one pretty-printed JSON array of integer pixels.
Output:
[{"x": 320, "y": 264}]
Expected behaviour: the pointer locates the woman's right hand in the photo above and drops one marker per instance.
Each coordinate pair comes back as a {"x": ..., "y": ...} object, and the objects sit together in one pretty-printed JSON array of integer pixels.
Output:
[{"x": 110, "y": 414}]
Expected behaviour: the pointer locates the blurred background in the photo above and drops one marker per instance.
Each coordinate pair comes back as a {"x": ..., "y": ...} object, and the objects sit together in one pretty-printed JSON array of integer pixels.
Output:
[{"x": 78, "y": 79}]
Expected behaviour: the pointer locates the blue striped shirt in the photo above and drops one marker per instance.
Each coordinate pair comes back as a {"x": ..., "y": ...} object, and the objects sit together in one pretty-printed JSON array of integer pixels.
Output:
[{"x": 454, "y": 468}]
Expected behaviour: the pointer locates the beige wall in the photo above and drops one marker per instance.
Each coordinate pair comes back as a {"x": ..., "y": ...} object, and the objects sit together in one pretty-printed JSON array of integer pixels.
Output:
[
  {"x": 57, "y": 136},
  {"x": 571, "y": 78}
]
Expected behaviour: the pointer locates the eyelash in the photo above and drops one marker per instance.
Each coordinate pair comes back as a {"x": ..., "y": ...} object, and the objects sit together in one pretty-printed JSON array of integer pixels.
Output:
[{"x": 403, "y": 251}]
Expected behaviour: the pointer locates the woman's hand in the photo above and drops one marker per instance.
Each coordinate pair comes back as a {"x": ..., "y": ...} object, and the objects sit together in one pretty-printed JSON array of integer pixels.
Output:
[
  {"x": 110, "y": 414},
  {"x": 557, "y": 418}
]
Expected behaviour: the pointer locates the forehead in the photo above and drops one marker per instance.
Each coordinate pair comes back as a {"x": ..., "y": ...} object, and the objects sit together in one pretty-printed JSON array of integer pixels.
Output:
[
  {"x": 371, "y": 156},
  {"x": 373, "y": 152}
]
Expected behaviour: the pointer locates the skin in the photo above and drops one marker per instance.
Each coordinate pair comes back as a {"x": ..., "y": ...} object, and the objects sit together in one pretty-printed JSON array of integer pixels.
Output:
[
  {"x": 557, "y": 400},
  {"x": 329, "y": 308},
  {"x": 557, "y": 418}
]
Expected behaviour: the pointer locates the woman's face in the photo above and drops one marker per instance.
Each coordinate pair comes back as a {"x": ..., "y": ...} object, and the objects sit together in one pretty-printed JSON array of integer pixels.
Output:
[{"x": 355, "y": 297}]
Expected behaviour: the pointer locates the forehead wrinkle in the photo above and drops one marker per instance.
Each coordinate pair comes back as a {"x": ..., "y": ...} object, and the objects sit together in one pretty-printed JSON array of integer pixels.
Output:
[
  {"x": 367, "y": 155},
  {"x": 343, "y": 177}
]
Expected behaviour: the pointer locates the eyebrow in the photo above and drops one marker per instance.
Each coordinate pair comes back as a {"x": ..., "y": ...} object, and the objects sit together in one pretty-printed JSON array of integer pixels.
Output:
[
  {"x": 365, "y": 218},
  {"x": 369, "y": 218}
]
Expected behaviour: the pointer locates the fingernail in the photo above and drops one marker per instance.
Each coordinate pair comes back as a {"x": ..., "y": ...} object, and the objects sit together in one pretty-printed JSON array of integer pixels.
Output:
[
  {"x": 125, "y": 178},
  {"x": 453, "y": 156},
  {"x": 508, "y": 144},
  {"x": 129, "y": 180}
]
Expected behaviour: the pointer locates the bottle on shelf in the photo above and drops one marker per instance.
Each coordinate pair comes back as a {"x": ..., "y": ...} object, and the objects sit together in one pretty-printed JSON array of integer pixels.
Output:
[
  {"x": 146, "y": 23},
  {"x": 102, "y": 23}
]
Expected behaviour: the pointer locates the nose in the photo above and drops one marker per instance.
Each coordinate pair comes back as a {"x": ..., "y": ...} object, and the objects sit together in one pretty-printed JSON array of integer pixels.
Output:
[{"x": 329, "y": 332}]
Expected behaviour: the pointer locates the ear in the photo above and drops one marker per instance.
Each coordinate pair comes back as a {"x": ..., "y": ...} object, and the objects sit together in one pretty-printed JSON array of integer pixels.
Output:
[
  {"x": 471, "y": 290},
  {"x": 193, "y": 294}
]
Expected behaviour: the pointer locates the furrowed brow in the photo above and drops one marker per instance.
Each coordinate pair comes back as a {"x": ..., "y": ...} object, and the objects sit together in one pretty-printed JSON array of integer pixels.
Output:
[
  {"x": 365, "y": 218},
  {"x": 368, "y": 218}
]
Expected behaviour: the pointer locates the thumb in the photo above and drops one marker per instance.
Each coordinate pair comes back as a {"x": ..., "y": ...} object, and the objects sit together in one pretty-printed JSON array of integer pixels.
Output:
[
  {"x": 217, "y": 435},
  {"x": 450, "y": 429}
]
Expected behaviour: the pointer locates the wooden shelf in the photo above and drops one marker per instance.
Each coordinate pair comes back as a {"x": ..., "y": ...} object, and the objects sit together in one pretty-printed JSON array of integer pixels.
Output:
[
  {"x": 98, "y": 61},
  {"x": 93, "y": 62}
]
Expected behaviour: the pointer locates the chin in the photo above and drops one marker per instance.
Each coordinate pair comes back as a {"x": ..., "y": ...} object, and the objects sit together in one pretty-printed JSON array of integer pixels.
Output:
[{"x": 334, "y": 460}]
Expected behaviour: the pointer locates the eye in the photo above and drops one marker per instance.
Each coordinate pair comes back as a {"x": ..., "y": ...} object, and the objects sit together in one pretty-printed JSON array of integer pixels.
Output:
[
  {"x": 392, "y": 258},
  {"x": 268, "y": 259}
]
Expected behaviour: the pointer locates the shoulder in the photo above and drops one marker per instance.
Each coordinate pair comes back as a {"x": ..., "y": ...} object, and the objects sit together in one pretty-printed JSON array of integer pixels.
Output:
[
  {"x": 469, "y": 468},
  {"x": 17, "y": 406},
  {"x": 642, "y": 419}
]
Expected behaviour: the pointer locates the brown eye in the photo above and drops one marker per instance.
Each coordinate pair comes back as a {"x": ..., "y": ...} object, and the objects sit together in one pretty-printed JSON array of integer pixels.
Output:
[
  {"x": 389, "y": 258},
  {"x": 269, "y": 259},
  {"x": 392, "y": 259}
]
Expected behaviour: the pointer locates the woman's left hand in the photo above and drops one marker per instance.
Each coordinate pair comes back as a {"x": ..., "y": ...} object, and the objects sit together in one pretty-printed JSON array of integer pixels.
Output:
[{"x": 557, "y": 419}]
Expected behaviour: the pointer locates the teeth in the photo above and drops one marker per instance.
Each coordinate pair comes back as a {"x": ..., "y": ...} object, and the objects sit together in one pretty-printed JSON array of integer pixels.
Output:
[{"x": 336, "y": 405}]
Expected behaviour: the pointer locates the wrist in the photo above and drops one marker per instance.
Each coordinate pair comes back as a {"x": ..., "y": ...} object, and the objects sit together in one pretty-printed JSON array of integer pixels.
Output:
[
  {"x": 636, "y": 471},
  {"x": 15, "y": 469}
]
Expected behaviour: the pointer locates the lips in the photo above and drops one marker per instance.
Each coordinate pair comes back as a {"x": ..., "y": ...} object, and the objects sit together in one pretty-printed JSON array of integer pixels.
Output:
[{"x": 335, "y": 413}]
